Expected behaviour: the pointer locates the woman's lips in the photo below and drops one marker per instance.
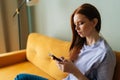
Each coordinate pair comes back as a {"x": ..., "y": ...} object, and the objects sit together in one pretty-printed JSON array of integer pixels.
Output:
[{"x": 79, "y": 32}]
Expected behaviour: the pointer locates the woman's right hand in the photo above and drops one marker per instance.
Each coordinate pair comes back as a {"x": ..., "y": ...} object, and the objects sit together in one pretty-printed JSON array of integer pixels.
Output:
[
  {"x": 69, "y": 67},
  {"x": 66, "y": 65}
]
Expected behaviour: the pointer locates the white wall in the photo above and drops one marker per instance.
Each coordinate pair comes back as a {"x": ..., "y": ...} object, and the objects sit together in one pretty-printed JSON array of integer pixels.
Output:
[{"x": 52, "y": 18}]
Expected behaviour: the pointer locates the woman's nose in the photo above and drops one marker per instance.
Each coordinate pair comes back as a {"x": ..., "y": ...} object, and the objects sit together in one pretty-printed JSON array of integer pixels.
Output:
[{"x": 77, "y": 28}]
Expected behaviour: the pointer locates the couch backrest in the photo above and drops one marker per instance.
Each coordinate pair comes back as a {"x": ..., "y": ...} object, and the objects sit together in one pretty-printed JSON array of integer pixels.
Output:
[
  {"x": 117, "y": 69},
  {"x": 39, "y": 46},
  {"x": 38, "y": 49}
]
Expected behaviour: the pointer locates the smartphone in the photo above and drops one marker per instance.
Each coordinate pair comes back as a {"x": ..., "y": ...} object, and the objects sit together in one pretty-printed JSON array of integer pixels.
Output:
[{"x": 55, "y": 58}]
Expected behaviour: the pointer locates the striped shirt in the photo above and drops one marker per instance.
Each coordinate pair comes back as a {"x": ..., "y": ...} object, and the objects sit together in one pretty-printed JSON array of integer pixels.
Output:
[{"x": 96, "y": 62}]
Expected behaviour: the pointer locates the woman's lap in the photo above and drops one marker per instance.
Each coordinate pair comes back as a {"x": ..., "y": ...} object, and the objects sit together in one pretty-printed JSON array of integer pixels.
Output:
[{"x": 25, "y": 76}]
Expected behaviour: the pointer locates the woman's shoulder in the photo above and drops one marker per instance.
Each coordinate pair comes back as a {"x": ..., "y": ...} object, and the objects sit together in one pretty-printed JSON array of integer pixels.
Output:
[
  {"x": 106, "y": 49},
  {"x": 104, "y": 45},
  {"x": 103, "y": 49}
]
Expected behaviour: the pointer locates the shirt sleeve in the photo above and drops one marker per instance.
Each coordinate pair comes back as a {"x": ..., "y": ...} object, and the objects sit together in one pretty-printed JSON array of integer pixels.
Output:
[{"x": 105, "y": 70}]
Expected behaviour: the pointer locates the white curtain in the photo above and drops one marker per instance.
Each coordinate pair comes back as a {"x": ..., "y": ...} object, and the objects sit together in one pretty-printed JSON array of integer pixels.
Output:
[
  {"x": 2, "y": 36},
  {"x": 9, "y": 27}
]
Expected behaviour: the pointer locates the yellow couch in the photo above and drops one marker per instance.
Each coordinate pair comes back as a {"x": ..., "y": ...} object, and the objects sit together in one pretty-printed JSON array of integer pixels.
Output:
[{"x": 35, "y": 59}]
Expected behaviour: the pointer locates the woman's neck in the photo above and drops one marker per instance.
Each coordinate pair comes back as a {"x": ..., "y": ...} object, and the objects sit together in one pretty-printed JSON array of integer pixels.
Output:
[{"x": 92, "y": 39}]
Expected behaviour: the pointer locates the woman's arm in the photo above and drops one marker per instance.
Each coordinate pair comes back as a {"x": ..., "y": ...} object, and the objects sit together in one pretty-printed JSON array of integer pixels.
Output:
[
  {"x": 78, "y": 74},
  {"x": 69, "y": 67},
  {"x": 106, "y": 69}
]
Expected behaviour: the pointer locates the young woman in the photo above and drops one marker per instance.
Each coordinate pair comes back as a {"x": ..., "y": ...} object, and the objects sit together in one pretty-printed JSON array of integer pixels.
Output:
[{"x": 91, "y": 57}]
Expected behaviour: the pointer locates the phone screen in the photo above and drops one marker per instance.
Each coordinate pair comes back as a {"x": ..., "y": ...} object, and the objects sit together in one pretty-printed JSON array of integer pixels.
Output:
[{"x": 54, "y": 57}]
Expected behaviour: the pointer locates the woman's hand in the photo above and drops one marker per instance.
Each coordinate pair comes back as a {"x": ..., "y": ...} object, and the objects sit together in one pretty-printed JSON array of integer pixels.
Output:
[
  {"x": 66, "y": 65},
  {"x": 69, "y": 67}
]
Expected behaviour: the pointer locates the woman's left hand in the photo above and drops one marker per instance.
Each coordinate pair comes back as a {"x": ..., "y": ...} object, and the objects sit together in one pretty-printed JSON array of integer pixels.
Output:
[
  {"x": 69, "y": 67},
  {"x": 66, "y": 66}
]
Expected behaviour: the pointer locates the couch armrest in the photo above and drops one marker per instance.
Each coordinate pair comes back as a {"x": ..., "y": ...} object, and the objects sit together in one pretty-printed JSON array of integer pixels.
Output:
[
  {"x": 117, "y": 68},
  {"x": 12, "y": 57}
]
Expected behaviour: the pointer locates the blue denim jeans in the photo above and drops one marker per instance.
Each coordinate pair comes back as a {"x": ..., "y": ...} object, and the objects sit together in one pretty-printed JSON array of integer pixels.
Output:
[{"x": 25, "y": 76}]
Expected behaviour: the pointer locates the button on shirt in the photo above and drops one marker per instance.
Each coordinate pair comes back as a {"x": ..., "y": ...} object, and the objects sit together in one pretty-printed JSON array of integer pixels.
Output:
[{"x": 96, "y": 62}]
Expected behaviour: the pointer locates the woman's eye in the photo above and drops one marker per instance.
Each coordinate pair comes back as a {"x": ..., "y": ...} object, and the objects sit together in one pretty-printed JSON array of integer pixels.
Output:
[{"x": 81, "y": 23}]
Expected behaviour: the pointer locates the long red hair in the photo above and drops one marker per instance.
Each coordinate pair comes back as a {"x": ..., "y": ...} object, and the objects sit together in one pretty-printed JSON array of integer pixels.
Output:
[{"x": 77, "y": 42}]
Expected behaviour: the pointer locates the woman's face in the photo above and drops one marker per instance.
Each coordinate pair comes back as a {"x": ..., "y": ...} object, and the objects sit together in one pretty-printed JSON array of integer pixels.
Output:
[{"x": 84, "y": 26}]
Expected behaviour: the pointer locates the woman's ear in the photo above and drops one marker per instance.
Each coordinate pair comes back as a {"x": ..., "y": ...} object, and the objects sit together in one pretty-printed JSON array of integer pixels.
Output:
[{"x": 95, "y": 21}]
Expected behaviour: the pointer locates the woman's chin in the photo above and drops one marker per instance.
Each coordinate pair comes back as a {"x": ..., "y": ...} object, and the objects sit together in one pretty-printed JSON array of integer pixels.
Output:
[{"x": 81, "y": 35}]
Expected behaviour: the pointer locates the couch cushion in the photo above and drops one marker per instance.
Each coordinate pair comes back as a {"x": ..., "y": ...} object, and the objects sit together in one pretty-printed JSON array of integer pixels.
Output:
[
  {"x": 9, "y": 72},
  {"x": 38, "y": 49},
  {"x": 117, "y": 69}
]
